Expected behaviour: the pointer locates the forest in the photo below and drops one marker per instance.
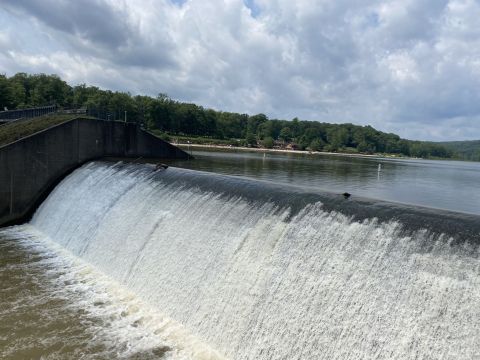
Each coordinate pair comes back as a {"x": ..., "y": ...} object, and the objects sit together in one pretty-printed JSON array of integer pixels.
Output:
[
  {"x": 171, "y": 118},
  {"x": 464, "y": 150}
]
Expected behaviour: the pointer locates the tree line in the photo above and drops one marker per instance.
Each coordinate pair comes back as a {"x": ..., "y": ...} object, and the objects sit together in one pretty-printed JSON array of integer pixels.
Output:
[
  {"x": 168, "y": 116},
  {"x": 464, "y": 150}
]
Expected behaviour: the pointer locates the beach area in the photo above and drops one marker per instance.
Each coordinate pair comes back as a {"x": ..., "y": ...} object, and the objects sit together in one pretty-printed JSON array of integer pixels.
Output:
[{"x": 190, "y": 147}]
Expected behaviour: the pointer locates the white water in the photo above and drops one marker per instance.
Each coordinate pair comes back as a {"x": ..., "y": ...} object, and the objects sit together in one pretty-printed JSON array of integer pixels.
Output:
[
  {"x": 115, "y": 322},
  {"x": 255, "y": 283}
]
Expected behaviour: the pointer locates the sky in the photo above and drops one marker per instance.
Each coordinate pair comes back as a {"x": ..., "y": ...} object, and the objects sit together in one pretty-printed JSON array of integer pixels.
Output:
[{"x": 411, "y": 67}]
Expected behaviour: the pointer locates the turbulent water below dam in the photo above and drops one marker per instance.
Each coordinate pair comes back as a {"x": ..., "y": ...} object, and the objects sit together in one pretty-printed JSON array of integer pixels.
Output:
[{"x": 122, "y": 261}]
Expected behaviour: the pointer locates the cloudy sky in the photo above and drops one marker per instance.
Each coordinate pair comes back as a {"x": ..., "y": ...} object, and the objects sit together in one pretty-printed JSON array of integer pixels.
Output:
[{"x": 406, "y": 66}]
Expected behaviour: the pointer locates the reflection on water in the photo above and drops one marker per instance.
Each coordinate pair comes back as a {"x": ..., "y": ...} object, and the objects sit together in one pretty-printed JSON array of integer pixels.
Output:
[{"x": 451, "y": 185}]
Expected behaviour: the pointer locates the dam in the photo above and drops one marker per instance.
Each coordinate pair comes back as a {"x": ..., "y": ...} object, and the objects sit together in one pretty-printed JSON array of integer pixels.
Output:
[
  {"x": 31, "y": 166},
  {"x": 246, "y": 269}
]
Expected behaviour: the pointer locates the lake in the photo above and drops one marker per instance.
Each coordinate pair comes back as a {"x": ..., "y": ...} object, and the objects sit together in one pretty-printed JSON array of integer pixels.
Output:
[{"x": 450, "y": 185}]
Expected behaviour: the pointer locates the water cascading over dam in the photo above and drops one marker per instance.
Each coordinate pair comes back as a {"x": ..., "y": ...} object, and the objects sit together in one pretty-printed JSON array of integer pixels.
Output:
[{"x": 259, "y": 271}]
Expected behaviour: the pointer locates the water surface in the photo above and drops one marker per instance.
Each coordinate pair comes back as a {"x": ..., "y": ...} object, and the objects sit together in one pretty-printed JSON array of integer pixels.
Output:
[
  {"x": 261, "y": 271},
  {"x": 122, "y": 261},
  {"x": 53, "y": 305},
  {"x": 450, "y": 185}
]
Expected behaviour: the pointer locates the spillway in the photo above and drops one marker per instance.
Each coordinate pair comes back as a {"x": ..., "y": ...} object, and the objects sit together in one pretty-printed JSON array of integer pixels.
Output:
[{"x": 261, "y": 271}]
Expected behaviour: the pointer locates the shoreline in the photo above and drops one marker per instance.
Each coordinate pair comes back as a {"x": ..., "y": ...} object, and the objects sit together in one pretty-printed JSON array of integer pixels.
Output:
[{"x": 286, "y": 151}]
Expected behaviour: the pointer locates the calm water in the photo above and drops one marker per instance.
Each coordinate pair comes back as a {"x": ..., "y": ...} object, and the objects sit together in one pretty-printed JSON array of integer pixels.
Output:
[{"x": 451, "y": 185}]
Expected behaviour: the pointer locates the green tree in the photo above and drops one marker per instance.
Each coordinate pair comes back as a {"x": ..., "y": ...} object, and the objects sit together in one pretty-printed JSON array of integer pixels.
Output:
[
  {"x": 316, "y": 145},
  {"x": 296, "y": 127},
  {"x": 285, "y": 134},
  {"x": 338, "y": 138},
  {"x": 255, "y": 121},
  {"x": 6, "y": 93},
  {"x": 251, "y": 139},
  {"x": 268, "y": 142}
]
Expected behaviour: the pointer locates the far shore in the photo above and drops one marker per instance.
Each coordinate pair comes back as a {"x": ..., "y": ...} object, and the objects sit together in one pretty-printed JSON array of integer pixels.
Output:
[{"x": 287, "y": 151}]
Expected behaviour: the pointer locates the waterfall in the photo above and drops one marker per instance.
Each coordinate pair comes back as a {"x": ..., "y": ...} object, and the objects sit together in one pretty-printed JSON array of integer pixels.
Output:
[{"x": 260, "y": 271}]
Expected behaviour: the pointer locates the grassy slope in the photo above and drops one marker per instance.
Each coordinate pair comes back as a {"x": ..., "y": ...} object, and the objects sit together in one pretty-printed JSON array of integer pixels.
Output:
[{"x": 13, "y": 131}]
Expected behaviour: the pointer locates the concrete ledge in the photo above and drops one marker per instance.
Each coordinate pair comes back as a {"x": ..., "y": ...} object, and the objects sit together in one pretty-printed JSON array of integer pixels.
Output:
[{"x": 32, "y": 166}]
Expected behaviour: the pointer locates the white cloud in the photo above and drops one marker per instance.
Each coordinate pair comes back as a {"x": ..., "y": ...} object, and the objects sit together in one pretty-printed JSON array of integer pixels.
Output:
[{"x": 405, "y": 66}]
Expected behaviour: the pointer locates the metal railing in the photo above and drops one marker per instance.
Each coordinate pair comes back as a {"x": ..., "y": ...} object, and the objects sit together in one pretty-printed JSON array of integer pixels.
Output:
[
  {"x": 79, "y": 111},
  {"x": 12, "y": 115},
  {"x": 99, "y": 113},
  {"x": 107, "y": 114}
]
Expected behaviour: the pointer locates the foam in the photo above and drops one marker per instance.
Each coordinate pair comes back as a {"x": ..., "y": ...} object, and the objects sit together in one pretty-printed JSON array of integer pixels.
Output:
[{"x": 124, "y": 326}]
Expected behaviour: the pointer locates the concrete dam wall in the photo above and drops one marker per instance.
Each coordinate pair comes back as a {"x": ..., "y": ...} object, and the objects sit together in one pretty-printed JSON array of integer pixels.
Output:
[{"x": 30, "y": 167}]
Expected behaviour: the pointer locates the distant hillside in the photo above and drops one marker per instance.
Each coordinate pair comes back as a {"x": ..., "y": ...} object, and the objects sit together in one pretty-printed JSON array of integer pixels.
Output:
[
  {"x": 173, "y": 118},
  {"x": 465, "y": 150}
]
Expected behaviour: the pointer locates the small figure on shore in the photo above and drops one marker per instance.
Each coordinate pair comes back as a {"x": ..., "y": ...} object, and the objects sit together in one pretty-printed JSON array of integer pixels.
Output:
[
  {"x": 346, "y": 195},
  {"x": 160, "y": 167}
]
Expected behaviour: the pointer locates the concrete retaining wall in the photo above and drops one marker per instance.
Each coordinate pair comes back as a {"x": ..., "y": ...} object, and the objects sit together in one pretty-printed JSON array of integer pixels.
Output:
[{"x": 31, "y": 167}]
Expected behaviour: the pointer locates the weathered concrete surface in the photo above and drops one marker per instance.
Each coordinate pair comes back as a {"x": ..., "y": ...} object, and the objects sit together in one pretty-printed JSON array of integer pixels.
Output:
[{"x": 30, "y": 167}]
